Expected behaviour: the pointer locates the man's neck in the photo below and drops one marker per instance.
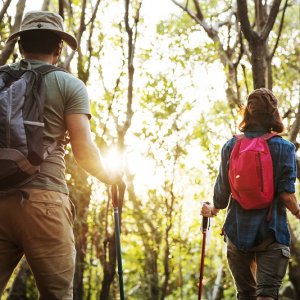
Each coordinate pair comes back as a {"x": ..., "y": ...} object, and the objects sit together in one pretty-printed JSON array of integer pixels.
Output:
[{"x": 47, "y": 58}]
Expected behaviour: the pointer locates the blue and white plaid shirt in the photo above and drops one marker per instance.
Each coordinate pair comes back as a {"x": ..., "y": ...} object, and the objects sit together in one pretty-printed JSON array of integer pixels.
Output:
[{"x": 248, "y": 228}]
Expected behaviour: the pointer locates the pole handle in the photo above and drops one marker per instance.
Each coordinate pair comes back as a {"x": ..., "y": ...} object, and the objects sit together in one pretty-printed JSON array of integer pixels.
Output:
[
  {"x": 114, "y": 195},
  {"x": 205, "y": 224}
]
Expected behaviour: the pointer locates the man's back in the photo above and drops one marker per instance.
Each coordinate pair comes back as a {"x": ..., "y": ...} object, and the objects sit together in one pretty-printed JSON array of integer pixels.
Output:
[{"x": 65, "y": 94}]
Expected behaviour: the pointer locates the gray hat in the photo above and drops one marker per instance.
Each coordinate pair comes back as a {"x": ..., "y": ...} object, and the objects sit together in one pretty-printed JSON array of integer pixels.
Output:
[{"x": 45, "y": 20}]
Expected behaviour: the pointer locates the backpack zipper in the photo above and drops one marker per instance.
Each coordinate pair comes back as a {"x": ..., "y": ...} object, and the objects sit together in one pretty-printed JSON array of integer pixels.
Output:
[{"x": 261, "y": 173}]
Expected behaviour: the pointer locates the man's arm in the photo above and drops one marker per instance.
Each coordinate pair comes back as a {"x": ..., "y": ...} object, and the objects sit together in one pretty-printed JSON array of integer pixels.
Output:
[
  {"x": 290, "y": 203},
  {"x": 85, "y": 150}
]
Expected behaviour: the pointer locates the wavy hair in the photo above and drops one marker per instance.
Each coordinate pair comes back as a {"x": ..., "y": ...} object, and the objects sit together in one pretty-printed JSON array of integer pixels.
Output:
[{"x": 261, "y": 109}]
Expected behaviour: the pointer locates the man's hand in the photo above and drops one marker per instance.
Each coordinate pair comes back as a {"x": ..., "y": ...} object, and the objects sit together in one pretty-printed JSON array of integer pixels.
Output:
[
  {"x": 208, "y": 210},
  {"x": 112, "y": 177}
]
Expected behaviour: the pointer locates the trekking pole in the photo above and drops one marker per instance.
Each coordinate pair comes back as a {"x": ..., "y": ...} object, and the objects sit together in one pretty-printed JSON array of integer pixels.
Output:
[
  {"x": 204, "y": 228},
  {"x": 114, "y": 193}
]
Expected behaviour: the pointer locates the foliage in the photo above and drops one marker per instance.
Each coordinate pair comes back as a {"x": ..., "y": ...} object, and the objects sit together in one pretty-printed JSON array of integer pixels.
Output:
[{"x": 181, "y": 118}]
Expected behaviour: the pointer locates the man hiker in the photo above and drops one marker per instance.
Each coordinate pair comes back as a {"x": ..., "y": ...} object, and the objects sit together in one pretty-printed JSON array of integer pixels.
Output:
[
  {"x": 36, "y": 218},
  {"x": 258, "y": 240}
]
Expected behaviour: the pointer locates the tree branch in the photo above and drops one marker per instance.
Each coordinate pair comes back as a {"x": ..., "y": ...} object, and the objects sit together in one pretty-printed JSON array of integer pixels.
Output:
[
  {"x": 82, "y": 28},
  {"x": 4, "y": 9},
  {"x": 9, "y": 47},
  {"x": 242, "y": 10},
  {"x": 130, "y": 56},
  {"x": 45, "y": 5},
  {"x": 61, "y": 8},
  {"x": 199, "y": 18},
  {"x": 295, "y": 128},
  {"x": 280, "y": 30},
  {"x": 271, "y": 19},
  {"x": 198, "y": 10},
  {"x": 185, "y": 8}
]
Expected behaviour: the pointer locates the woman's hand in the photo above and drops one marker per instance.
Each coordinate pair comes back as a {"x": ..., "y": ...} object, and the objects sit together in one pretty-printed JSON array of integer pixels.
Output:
[{"x": 208, "y": 210}]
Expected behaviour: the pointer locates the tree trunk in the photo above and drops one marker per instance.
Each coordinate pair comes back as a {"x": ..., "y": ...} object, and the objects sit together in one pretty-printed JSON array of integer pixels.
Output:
[
  {"x": 151, "y": 241},
  {"x": 81, "y": 232},
  {"x": 80, "y": 265},
  {"x": 218, "y": 290},
  {"x": 109, "y": 267},
  {"x": 258, "y": 62},
  {"x": 269, "y": 73},
  {"x": 80, "y": 193},
  {"x": 110, "y": 244},
  {"x": 9, "y": 47},
  {"x": 45, "y": 5},
  {"x": 166, "y": 264},
  {"x": 226, "y": 56},
  {"x": 4, "y": 9},
  {"x": 257, "y": 39}
]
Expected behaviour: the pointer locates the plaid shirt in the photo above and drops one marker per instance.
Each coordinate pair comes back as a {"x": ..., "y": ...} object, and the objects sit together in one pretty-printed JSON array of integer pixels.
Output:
[{"x": 248, "y": 228}]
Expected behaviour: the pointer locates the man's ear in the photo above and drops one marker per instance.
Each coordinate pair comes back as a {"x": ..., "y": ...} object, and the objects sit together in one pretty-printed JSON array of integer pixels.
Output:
[
  {"x": 58, "y": 49},
  {"x": 20, "y": 47},
  {"x": 57, "y": 53}
]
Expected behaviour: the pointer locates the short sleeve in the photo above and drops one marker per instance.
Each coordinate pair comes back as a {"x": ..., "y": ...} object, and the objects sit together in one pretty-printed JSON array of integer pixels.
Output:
[{"x": 75, "y": 95}]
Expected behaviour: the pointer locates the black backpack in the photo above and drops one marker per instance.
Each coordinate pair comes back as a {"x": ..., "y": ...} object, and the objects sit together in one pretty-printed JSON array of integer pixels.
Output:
[{"x": 22, "y": 97}]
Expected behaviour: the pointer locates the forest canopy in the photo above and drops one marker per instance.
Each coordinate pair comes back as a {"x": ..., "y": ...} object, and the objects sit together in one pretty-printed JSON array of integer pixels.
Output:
[{"x": 167, "y": 80}]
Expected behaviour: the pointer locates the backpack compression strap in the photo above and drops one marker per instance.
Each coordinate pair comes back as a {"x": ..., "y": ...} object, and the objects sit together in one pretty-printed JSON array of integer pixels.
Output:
[{"x": 23, "y": 164}]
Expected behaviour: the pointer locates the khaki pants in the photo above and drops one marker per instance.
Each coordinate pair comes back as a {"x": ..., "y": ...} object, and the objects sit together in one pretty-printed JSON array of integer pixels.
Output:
[
  {"x": 258, "y": 271},
  {"x": 40, "y": 228}
]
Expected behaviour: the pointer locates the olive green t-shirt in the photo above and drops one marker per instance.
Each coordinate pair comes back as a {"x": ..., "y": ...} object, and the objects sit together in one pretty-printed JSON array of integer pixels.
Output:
[{"x": 65, "y": 94}]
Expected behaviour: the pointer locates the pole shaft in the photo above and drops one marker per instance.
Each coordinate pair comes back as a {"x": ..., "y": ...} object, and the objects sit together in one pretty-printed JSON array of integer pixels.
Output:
[
  {"x": 119, "y": 253},
  {"x": 114, "y": 192},
  {"x": 202, "y": 266},
  {"x": 204, "y": 228}
]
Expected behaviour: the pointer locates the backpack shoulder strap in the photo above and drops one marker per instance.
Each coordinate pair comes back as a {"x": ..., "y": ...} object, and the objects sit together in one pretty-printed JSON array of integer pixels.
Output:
[
  {"x": 5, "y": 68},
  {"x": 239, "y": 136},
  {"x": 15, "y": 73},
  {"x": 269, "y": 135},
  {"x": 45, "y": 69}
]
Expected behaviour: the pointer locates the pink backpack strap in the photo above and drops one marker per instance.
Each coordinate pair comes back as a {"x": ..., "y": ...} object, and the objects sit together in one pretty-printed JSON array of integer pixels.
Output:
[
  {"x": 265, "y": 136},
  {"x": 239, "y": 136},
  {"x": 268, "y": 136}
]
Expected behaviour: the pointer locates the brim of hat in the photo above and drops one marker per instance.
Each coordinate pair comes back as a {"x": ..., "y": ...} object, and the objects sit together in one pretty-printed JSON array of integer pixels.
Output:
[{"x": 69, "y": 39}]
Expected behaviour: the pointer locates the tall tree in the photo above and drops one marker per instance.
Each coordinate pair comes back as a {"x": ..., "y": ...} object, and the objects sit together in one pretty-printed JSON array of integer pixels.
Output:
[
  {"x": 258, "y": 39},
  {"x": 131, "y": 32},
  {"x": 229, "y": 49}
]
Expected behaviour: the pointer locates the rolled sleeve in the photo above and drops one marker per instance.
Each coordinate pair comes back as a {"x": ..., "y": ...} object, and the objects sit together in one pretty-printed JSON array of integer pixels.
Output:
[{"x": 289, "y": 170}]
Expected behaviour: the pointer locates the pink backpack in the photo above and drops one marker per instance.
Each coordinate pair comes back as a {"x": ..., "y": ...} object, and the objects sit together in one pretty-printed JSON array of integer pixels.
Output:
[{"x": 251, "y": 172}]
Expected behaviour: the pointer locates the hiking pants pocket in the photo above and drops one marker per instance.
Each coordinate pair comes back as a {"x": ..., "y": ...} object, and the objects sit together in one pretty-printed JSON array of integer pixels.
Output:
[{"x": 48, "y": 242}]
